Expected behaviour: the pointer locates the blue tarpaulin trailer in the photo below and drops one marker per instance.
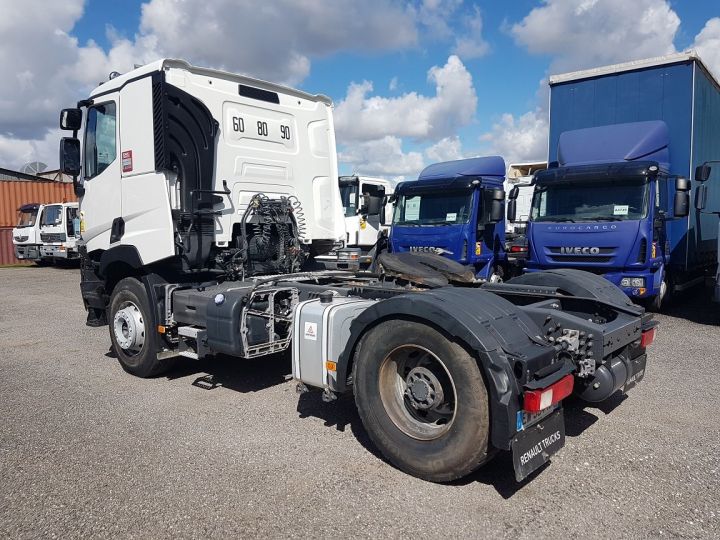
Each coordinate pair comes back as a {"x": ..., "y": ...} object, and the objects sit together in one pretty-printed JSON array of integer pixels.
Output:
[{"x": 623, "y": 145}]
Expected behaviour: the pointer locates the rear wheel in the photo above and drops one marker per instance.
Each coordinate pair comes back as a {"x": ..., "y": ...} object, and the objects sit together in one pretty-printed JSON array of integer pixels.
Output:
[
  {"x": 422, "y": 400},
  {"x": 132, "y": 330}
]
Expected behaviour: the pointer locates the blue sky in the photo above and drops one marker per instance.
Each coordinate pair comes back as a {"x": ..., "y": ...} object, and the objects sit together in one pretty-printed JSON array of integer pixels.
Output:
[{"x": 490, "y": 57}]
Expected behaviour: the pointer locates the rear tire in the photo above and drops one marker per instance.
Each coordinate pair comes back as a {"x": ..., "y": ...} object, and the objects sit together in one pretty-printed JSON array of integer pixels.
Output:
[
  {"x": 422, "y": 400},
  {"x": 132, "y": 330}
]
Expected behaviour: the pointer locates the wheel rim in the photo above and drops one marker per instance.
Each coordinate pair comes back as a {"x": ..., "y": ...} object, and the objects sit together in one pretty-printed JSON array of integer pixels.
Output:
[
  {"x": 417, "y": 392},
  {"x": 129, "y": 328}
]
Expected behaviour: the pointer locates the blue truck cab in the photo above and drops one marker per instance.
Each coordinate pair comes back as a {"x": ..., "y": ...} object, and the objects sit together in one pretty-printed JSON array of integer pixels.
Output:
[
  {"x": 455, "y": 209},
  {"x": 615, "y": 201}
]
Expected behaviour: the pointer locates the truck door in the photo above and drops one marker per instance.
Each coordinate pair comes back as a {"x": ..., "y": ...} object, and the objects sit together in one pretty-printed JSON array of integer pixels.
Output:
[{"x": 101, "y": 203}]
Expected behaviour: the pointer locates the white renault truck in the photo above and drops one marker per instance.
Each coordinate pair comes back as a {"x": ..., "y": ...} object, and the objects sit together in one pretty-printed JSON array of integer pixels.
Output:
[
  {"x": 26, "y": 235},
  {"x": 367, "y": 207},
  {"x": 205, "y": 195},
  {"x": 59, "y": 232}
]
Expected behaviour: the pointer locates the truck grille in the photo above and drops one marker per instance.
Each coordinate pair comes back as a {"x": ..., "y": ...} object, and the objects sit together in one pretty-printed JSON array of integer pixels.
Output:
[
  {"x": 53, "y": 237},
  {"x": 569, "y": 255}
]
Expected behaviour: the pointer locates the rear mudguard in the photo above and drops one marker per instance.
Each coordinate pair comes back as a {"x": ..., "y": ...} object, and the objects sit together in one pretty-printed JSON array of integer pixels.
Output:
[{"x": 504, "y": 340}]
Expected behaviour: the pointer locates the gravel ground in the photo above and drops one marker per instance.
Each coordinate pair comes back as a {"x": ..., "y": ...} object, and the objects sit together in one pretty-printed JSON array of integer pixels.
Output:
[{"x": 87, "y": 450}]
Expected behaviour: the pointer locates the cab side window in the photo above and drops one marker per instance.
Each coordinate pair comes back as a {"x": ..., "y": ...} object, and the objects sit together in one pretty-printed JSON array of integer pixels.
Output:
[{"x": 100, "y": 143}]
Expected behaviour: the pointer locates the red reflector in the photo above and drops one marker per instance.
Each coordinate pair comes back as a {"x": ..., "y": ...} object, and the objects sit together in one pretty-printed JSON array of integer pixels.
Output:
[
  {"x": 537, "y": 400},
  {"x": 517, "y": 249},
  {"x": 648, "y": 336}
]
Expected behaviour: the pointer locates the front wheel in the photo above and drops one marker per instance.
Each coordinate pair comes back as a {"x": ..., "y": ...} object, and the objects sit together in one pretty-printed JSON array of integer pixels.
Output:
[
  {"x": 422, "y": 400},
  {"x": 132, "y": 331},
  {"x": 663, "y": 298}
]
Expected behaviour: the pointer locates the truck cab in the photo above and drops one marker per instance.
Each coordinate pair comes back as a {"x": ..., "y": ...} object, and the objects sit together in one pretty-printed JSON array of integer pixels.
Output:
[
  {"x": 613, "y": 218},
  {"x": 455, "y": 209},
  {"x": 367, "y": 208},
  {"x": 26, "y": 235},
  {"x": 60, "y": 231}
]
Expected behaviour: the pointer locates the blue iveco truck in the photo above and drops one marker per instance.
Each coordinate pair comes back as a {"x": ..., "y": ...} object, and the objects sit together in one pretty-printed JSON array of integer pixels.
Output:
[
  {"x": 455, "y": 209},
  {"x": 624, "y": 140}
]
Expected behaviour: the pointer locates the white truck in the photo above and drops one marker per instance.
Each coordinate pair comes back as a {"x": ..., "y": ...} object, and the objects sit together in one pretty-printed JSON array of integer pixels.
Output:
[
  {"x": 520, "y": 175},
  {"x": 26, "y": 235},
  {"x": 59, "y": 232},
  {"x": 367, "y": 208},
  {"x": 203, "y": 196}
]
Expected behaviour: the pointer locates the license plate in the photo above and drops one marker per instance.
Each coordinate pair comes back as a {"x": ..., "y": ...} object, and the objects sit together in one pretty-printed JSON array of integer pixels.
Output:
[{"x": 533, "y": 447}]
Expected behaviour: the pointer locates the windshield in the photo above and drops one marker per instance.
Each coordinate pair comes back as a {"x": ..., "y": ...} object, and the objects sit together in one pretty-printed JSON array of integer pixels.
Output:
[
  {"x": 52, "y": 215},
  {"x": 433, "y": 208},
  {"x": 348, "y": 195},
  {"x": 27, "y": 219},
  {"x": 609, "y": 200}
]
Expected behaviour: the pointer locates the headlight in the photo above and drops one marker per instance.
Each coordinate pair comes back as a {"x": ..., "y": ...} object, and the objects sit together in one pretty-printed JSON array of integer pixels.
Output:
[
  {"x": 632, "y": 282},
  {"x": 21, "y": 238}
]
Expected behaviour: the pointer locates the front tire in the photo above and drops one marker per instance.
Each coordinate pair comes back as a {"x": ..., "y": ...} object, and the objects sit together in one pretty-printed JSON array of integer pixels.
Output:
[
  {"x": 132, "y": 330},
  {"x": 422, "y": 400}
]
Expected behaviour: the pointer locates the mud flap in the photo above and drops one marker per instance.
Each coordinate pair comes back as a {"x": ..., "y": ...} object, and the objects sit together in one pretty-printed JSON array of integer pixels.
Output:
[{"x": 532, "y": 447}]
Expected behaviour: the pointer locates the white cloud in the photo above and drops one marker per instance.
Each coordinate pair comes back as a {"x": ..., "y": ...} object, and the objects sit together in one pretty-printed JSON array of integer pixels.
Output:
[
  {"x": 472, "y": 45},
  {"x": 393, "y": 84},
  {"x": 435, "y": 16},
  {"x": 524, "y": 138},
  {"x": 446, "y": 149},
  {"x": 360, "y": 117},
  {"x": 592, "y": 33},
  {"x": 275, "y": 40},
  {"x": 14, "y": 153},
  {"x": 384, "y": 157},
  {"x": 580, "y": 35},
  {"x": 707, "y": 42},
  {"x": 45, "y": 68}
]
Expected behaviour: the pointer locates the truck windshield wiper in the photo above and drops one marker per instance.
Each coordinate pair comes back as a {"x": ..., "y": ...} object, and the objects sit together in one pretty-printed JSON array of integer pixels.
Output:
[{"x": 559, "y": 220}]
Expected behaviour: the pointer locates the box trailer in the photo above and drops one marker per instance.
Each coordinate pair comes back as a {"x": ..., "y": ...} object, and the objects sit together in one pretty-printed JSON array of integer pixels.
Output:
[{"x": 623, "y": 142}]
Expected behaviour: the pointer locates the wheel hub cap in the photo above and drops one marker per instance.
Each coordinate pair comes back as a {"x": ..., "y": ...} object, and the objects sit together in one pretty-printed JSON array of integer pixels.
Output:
[
  {"x": 129, "y": 328},
  {"x": 423, "y": 388}
]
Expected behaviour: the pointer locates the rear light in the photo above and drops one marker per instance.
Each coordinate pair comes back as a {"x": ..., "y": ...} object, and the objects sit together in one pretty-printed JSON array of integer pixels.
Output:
[
  {"x": 517, "y": 249},
  {"x": 648, "y": 336},
  {"x": 537, "y": 400}
]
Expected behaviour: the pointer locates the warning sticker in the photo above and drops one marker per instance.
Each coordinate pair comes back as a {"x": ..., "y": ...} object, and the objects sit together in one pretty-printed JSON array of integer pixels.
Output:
[
  {"x": 127, "y": 164},
  {"x": 621, "y": 210},
  {"x": 451, "y": 216},
  {"x": 311, "y": 331}
]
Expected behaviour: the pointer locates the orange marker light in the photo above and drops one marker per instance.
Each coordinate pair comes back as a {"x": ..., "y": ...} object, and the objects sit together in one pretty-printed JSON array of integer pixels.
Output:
[{"x": 330, "y": 365}]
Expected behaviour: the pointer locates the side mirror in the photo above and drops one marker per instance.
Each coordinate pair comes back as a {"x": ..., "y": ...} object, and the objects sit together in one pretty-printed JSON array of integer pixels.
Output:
[
  {"x": 70, "y": 161},
  {"x": 70, "y": 119},
  {"x": 383, "y": 210},
  {"x": 373, "y": 205},
  {"x": 682, "y": 184},
  {"x": 512, "y": 210},
  {"x": 497, "y": 208},
  {"x": 702, "y": 172},
  {"x": 514, "y": 193},
  {"x": 701, "y": 197},
  {"x": 681, "y": 207},
  {"x": 70, "y": 156}
]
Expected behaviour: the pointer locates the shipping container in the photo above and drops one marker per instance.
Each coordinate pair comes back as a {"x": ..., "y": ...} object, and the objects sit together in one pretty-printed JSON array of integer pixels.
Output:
[
  {"x": 7, "y": 248},
  {"x": 15, "y": 193}
]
